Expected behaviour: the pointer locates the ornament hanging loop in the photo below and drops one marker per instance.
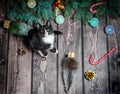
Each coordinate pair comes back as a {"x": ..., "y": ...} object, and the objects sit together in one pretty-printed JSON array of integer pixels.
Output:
[{"x": 94, "y": 5}]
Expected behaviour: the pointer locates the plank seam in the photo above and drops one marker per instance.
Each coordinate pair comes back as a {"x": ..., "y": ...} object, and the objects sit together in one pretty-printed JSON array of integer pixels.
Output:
[{"x": 82, "y": 52}]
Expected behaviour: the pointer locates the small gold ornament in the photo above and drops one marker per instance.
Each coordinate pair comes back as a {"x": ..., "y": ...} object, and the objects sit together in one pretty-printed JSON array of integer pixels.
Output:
[
  {"x": 22, "y": 51},
  {"x": 60, "y": 6},
  {"x": 6, "y": 24},
  {"x": 31, "y": 3},
  {"x": 90, "y": 75}
]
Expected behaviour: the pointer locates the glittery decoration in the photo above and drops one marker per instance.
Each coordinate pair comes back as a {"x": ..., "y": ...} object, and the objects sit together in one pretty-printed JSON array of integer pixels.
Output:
[
  {"x": 6, "y": 24},
  {"x": 90, "y": 75},
  {"x": 22, "y": 51}
]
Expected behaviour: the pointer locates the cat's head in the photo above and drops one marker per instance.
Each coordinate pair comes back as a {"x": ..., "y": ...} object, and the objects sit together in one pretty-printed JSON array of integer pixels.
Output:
[{"x": 45, "y": 29}]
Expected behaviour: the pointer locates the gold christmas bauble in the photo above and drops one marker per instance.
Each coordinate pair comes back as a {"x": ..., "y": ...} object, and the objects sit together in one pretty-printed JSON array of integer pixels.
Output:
[{"x": 60, "y": 6}]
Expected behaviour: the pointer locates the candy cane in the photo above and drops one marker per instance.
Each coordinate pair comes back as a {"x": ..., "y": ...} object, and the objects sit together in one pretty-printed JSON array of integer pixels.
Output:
[
  {"x": 102, "y": 58},
  {"x": 94, "y": 5}
]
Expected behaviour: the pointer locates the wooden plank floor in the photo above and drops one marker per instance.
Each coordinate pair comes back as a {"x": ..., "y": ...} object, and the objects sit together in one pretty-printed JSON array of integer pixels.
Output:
[{"x": 29, "y": 74}]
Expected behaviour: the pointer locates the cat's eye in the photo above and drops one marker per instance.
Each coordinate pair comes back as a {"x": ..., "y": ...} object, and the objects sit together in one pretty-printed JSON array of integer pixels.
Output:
[{"x": 47, "y": 30}]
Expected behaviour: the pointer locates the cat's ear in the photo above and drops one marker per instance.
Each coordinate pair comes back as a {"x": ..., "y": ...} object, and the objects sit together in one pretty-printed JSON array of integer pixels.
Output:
[
  {"x": 48, "y": 23},
  {"x": 38, "y": 26}
]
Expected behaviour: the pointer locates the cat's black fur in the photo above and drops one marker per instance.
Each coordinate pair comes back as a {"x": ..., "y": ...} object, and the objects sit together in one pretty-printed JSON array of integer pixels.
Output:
[{"x": 42, "y": 38}]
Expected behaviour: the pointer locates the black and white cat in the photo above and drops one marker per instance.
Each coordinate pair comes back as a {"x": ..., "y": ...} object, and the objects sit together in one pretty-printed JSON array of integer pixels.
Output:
[{"x": 41, "y": 38}]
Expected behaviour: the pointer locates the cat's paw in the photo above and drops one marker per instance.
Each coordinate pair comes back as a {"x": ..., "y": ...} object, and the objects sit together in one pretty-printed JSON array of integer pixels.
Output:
[
  {"x": 43, "y": 54},
  {"x": 54, "y": 50}
]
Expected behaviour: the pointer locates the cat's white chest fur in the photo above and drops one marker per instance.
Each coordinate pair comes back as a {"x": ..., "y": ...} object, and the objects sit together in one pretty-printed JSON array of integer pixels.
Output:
[{"x": 48, "y": 38}]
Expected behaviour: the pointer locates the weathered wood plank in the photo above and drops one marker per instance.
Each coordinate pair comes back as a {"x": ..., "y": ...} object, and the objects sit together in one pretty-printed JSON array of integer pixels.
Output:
[
  {"x": 3, "y": 51},
  {"x": 45, "y": 72},
  {"x": 3, "y": 61},
  {"x": 114, "y": 65},
  {"x": 70, "y": 41},
  {"x": 19, "y": 68},
  {"x": 95, "y": 44}
]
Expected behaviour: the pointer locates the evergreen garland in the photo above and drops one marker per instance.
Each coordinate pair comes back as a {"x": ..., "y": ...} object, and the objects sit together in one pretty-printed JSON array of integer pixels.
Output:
[
  {"x": 18, "y": 10},
  {"x": 114, "y": 8},
  {"x": 76, "y": 9}
]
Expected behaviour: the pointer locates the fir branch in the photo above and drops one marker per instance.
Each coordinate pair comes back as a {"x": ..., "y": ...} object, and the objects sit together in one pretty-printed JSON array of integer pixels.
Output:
[
  {"x": 114, "y": 8},
  {"x": 77, "y": 9}
]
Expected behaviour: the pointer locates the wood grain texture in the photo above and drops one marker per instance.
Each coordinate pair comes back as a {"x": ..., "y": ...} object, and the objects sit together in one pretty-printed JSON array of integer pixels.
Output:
[
  {"x": 70, "y": 41},
  {"x": 30, "y": 74},
  {"x": 45, "y": 72},
  {"x": 95, "y": 43},
  {"x": 3, "y": 51},
  {"x": 114, "y": 64},
  {"x": 3, "y": 58},
  {"x": 19, "y": 68}
]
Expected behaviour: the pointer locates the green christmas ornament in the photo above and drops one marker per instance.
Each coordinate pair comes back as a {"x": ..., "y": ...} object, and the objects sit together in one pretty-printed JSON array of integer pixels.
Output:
[
  {"x": 59, "y": 19},
  {"x": 31, "y": 3},
  {"x": 94, "y": 22}
]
